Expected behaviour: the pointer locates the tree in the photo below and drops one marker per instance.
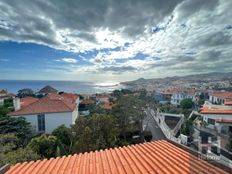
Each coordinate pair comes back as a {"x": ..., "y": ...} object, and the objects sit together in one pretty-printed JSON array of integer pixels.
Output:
[
  {"x": 21, "y": 155},
  {"x": 64, "y": 137},
  {"x": 187, "y": 128},
  {"x": 84, "y": 142},
  {"x": 19, "y": 126},
  {"x": 128, "y": 113},
  {"x": 3, "y": 111},
  {"x": 7, "y": 144},
  {"x": 94, "y": 132},
  {"x": 186, "y": 103},
  {"x": 117, "y": 93},
  {"x": 26, "y": 92},
  {"x": 44, "y": 145},
  {"x": 8, "y": 103}
]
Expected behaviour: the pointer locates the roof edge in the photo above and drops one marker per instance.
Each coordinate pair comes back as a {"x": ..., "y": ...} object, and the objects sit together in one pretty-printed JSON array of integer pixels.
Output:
[
  {"x": 220, "y": 165},
  {"x": 38, "y": 113}
]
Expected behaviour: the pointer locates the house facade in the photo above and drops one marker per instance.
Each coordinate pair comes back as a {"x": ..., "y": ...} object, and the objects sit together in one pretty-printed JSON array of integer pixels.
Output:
[
  {"x": 49, "y": 112},
  {"x": 179, "y": 96},
  {"x": 220, "y": 97},
  {"x": 5, "y": 95},
  {"x": 217, "y": 117}
]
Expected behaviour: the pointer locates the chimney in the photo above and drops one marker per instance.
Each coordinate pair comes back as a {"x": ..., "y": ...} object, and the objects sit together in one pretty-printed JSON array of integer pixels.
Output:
[{"x": 17, "y": 105}]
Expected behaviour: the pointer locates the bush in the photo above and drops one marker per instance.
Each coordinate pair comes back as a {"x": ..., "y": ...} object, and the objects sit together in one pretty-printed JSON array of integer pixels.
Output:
[
  {"x": 64, "y": 136},
  {"x": 21, "y": 155},
  {"x": 186, "y": 103},
  {"x": 45, "y": 145}
]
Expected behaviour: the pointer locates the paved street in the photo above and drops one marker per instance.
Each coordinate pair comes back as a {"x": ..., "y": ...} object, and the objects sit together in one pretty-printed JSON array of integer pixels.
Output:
[{"x": 150, "y": 124}]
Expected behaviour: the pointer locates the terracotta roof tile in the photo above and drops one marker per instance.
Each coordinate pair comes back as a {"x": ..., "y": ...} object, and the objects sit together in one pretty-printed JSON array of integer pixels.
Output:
[
  {"x": 87, "y": 102},
  {"x": 225, "y": 95},
  {"x": 167, "y": 92},
  {"x": 154, "y": 157},
  {"x": 27, "y": 101},
  {"x": 206, "y": 110},
  {"x": 106, "y": 105},
  {"x": 228, "y": 102},
  {"x": 49, "y": 104}
]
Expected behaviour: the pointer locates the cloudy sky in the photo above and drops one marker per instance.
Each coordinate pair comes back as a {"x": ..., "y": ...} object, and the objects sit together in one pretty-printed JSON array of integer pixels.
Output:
[{"x": 113, "y": 40}]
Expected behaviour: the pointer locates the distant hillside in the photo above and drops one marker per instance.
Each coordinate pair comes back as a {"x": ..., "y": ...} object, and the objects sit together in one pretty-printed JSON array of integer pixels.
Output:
[{"x": 195, "y": 77}]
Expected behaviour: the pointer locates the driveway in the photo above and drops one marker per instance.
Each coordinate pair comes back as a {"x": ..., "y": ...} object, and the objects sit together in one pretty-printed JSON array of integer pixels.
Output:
[{"x": 150, "y": 124}]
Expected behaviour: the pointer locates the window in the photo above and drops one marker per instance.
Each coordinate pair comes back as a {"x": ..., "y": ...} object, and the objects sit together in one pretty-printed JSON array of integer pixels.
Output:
[
  {"x": 211, "y": 121},
  {"x": 41, "y": 122}
]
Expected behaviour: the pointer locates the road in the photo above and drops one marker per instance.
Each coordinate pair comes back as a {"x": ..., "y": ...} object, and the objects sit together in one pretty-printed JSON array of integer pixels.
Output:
[{"x": 150, "y": 124}]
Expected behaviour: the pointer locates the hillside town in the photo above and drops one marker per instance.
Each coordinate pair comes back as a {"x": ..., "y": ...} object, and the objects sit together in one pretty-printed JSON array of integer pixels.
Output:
[{"x": 195, "y": 118}]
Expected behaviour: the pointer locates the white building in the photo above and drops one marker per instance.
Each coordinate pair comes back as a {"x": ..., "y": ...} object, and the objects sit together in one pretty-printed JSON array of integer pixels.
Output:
[
  {"x": 49, "y": 112},
  {"x": 5, "y": 95},
  {"x": 179, "y": 96},
  {"x": 217, "y": 117},
  {"x": 220, "y": 97},
  {"x": 102, "y": 98}
]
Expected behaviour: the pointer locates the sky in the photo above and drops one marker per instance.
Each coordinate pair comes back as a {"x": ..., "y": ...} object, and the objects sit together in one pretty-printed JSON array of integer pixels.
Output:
[{"x": 109, "y": 40}]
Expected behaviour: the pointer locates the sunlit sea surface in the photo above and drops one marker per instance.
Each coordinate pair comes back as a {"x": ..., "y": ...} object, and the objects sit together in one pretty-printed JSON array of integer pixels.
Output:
[{"x": 68, "y": 86}]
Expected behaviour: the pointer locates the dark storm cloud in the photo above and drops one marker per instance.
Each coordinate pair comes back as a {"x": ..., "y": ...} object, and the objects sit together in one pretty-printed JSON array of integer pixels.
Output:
[
  {"x": 202, "y": 27},
  {"x": 211, "y": 55},
  {"x": 38, "y": 20},
  {"x": 216, "y": 39},
  {"x": 190, "y": 7}
]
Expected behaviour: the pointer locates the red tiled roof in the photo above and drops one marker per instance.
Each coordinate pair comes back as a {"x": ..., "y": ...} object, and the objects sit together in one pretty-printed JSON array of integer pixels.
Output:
[
  {"x": 168, "y": 92},
  {"x": 205, "y": 110},
  {"x": 226, "y": 95},
  {"x": 106, "y": 106},
  {"x": 228, "y": 102},
  {"x": 155, "y": 157},
  {"x": 49, "y": 104},
  {"x": 27, "y": 101},
  {"x": 70, "y": 95},
  {"x": 87, "y": 102}
]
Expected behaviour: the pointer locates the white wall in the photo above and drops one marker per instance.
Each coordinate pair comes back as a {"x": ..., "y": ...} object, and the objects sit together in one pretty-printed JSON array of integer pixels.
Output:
[
  {"x": 214, "y": 99},
  {"x": 103, "y": 99},
  {"x": 217, "y": 116},
  {"x": 218, "y": 126},
  {"x": 1, "y": 101},
  {"x": 52, "y": 120}
]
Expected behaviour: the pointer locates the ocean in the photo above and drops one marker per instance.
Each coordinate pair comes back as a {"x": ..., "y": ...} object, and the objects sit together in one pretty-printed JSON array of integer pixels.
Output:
[{"x": 12, "y": 86}]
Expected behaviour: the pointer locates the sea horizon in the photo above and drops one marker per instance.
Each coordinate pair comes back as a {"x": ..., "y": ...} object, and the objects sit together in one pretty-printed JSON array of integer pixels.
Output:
[{"x": 80, "y": 87}]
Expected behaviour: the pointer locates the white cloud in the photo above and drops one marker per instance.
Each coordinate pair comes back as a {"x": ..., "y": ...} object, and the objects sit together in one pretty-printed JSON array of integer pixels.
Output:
[{"x": 69, "y": 60}]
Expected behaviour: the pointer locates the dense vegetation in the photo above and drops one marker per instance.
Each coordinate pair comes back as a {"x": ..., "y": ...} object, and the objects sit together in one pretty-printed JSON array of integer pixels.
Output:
[{"x": 101, "y": 129}]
